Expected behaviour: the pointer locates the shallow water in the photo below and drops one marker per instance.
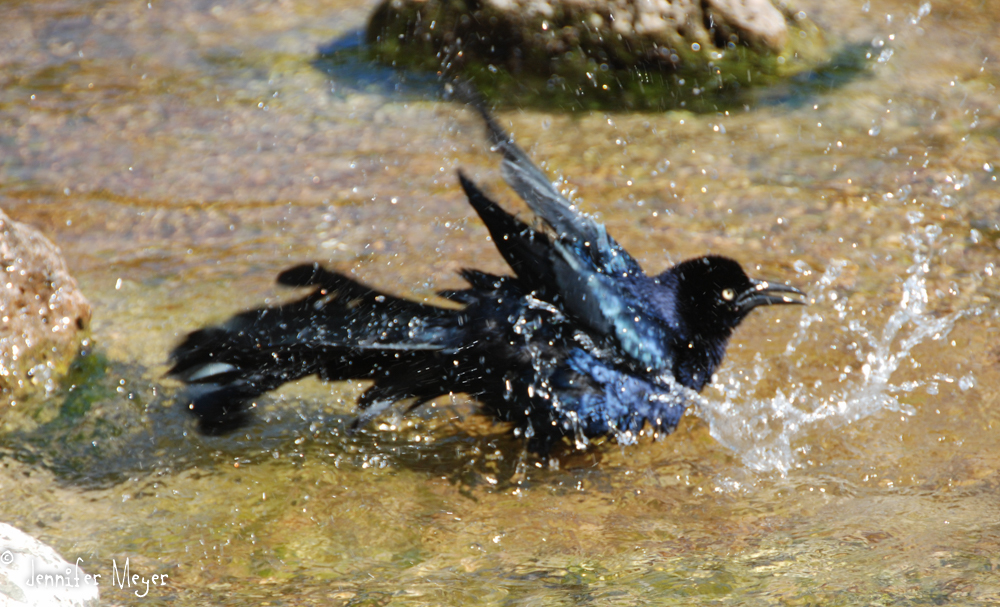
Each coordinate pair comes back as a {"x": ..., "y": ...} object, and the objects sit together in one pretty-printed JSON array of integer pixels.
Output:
[{"x": 183, "y": 153}]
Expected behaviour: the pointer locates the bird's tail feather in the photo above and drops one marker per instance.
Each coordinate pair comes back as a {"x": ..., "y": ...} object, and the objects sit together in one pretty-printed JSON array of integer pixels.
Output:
[{"x": 342, "y": 330}]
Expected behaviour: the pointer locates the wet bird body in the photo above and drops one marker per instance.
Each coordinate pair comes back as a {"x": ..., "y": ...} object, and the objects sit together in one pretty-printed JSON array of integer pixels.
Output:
[{"x": 580, "y": 342}]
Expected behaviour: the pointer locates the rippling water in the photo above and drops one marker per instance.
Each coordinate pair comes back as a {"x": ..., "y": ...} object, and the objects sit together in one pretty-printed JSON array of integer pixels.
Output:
[{"x": 183, "y": 153}]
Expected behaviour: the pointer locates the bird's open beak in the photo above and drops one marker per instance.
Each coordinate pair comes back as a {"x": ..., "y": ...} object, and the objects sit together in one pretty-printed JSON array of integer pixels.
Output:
[{"x": 764, "y": 293}]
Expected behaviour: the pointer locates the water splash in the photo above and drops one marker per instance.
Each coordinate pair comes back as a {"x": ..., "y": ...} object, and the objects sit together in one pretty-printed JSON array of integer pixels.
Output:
[{"x": 764, "y": 431}]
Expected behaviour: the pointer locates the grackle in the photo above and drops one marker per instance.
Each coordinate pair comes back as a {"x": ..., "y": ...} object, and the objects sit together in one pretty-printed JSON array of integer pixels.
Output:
[{"x": 579, "y": 342}]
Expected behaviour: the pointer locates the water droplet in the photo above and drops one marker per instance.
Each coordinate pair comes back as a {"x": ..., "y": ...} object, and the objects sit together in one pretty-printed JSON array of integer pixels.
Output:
[{"x": 966, "y": 382}]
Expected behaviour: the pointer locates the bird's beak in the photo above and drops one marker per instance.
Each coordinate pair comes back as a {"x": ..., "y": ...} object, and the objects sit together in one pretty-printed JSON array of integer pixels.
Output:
[{"x": 764, "y": 293}]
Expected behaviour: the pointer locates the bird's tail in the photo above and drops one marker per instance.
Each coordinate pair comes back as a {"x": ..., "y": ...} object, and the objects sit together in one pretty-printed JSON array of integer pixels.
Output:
[{"x": 341, "y": 330}]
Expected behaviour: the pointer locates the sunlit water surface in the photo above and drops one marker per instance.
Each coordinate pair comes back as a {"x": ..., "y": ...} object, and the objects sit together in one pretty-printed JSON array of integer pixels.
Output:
[{"x": 183, "y": 153}]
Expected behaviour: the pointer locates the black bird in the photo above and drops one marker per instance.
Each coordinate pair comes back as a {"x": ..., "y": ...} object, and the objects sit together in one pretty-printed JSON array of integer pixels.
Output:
[{"x": 580, "y": 342}]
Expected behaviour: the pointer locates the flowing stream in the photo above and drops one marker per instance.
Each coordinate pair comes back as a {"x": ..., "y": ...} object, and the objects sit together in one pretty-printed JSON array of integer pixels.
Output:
[{"x": 183, "y": 153}]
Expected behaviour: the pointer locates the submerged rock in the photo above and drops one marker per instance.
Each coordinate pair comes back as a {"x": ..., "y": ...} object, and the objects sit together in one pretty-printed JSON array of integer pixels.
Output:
[
  {"x": 628, "y": 54},
  {"x": 42, "y": 312}
]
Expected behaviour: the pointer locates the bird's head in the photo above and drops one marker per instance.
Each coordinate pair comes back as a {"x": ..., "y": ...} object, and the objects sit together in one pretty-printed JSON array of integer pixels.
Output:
[{"x": 714, "y": 294}]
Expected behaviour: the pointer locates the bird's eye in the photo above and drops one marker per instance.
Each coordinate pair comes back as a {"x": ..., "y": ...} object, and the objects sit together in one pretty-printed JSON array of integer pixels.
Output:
[{"x": 728, "y": 294}]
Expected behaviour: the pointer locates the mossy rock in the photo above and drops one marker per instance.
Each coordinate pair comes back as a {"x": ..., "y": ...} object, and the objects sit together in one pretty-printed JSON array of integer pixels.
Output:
[
  {"x": 43, "y": 314},
  {"x": 623, "y": 55}
]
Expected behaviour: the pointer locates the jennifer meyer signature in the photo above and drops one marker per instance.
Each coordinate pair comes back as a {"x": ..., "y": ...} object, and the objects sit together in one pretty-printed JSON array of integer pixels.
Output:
[{"x": 68, "y": 576}]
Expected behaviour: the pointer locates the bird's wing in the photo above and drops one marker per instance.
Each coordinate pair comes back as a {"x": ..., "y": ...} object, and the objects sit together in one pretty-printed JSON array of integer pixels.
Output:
[
  {"x": 608, "y": 306},
  {"x": 527, "y": 252},
  {"x": 560, "y": 274},
  {"x": 590, "y": 239}
]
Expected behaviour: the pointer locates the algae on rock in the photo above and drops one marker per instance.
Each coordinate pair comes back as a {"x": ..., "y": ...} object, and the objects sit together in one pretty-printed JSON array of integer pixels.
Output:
[{"x": 600, "y": 54}]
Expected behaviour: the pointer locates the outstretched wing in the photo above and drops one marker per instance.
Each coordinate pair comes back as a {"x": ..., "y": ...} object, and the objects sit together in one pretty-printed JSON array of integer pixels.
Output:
[
  {"x": 582, "y": 268},
  {"x": 606, "y": 303},
  {"x": 526, "y": 251},
  {"x": 589, "y": 239}
]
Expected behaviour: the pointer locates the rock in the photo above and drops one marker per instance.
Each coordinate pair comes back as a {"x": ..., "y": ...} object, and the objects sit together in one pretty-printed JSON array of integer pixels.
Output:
[
  {"x": 42, "y": 312},
  {"x": 619, "y": 54},
  {"x": 23, "y": 559}
]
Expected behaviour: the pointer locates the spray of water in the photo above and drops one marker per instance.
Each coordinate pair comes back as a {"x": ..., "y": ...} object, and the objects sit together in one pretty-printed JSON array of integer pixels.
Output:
[{"x": 764, "y": 431}]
